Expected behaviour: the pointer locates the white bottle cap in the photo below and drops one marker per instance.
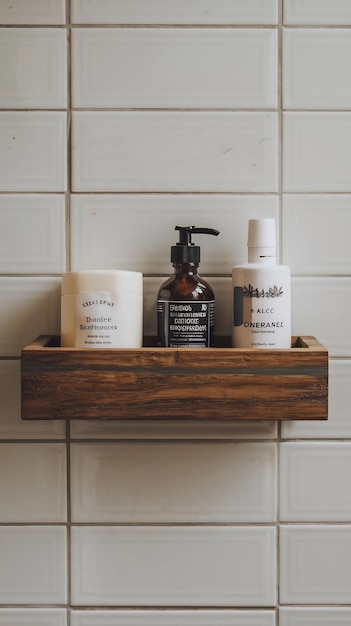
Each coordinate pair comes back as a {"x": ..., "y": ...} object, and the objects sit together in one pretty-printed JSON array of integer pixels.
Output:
[{"x": 261, "y": 233}]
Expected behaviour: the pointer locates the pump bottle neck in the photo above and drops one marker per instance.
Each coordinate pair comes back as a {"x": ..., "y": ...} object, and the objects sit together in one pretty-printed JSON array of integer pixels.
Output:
[
  {"x": 185, "y": 268},
  {"x": 264, "y": 255}
]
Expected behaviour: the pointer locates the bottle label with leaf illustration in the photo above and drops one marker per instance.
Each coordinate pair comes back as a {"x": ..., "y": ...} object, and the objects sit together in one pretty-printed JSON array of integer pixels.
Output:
[{"x": 261, "y": 313}]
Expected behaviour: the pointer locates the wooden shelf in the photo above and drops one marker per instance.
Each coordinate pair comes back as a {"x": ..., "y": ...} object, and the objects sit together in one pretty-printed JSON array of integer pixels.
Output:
[{"x": 221, "y": 383}]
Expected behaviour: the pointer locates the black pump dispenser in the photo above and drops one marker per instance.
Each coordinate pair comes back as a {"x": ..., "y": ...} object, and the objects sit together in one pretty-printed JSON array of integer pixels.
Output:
[
  {"x": 185, "y": 251},
  {"x": 185, "y": 301}
]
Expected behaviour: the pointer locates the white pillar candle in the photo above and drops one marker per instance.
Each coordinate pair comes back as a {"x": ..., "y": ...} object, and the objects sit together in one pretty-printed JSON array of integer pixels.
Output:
[{"x": 102, "y": 309}]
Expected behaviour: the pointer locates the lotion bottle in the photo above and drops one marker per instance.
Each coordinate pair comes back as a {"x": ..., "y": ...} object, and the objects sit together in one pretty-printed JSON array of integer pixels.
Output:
[
  {"x": 261, "y": 293},
  {"x": 186, "y": 302}
]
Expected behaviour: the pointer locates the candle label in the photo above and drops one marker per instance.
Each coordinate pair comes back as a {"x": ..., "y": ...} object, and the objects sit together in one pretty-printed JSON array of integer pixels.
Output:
[{"x": 97, "y": 320}]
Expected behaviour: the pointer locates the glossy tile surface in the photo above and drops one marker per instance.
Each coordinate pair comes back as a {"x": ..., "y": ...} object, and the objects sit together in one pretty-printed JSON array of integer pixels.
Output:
[
  {"x": 317, "y": 12},
  {"x": 314, "y": 482},
  {"x": 173, "y": 429},
  {"x": 34, "y": 75},
  {"x": 308, "y": 616},
  {"x": 32, "y": 12},
  {"x": 316, "y": 152},
  {"x": 100, "y": 223},
  {"x": 163, "y": 68},
  {"x": 325, "y": 218},
  {"x": 44, "y": 251},
  {"x": 173, "y": 618},
  {"x": 33, "y": 151},
  {"x": 109, "y": 566},
  {"x": 316, "y": 68},
  {"x": 183, "y": 12},
  {"x": 33, "y": 565},
  {"x": 315, "y": 564},
  {"x": 123, "y": 482},
  {"x": 319, "y": 307},
  {"x": 32, "y": 482},
  {"x": 33, "y": 617},
  {"x": 192, "y": 151}
]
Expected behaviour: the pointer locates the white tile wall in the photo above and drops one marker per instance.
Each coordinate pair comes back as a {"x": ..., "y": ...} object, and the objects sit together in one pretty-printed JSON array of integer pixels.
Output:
[
  {"x": 33, "y": 617},
  {"x": 174, "y": 151},
  {"x": 316, "y": 66},
  {"x": 129, "y": 565},
  {"x": 316, "y": 151},
  {"x": 187, "y": 62},
  {"x": 32, "y": 12},
  {"x": 34, "y": 75},
  {"x": 37, "y": 491},
  {"x": 44, "y": 216},
  {"x": 315, "y": 564},
  {"x": 23, "y": 168},
  {"x": 172, "y": 429},
  {"x": 181, "y": 12},
  {"x": 320, "y": 307},
  {"x": 100, "y": 223},
  {"x": 306, "y": 250},
  {"x": 316, "y": 12},
  {"x": 122, "y": 482},
  {"x": 314, "y": 483},
  {"x": 184, "y": 112},
  {"x": 173, "y": 618},
  {"x": 308, "y": 616},
  {"x": 33, "y": 565}
]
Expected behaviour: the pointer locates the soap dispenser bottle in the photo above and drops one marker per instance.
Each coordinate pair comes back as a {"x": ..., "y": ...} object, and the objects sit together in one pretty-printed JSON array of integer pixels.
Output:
[
  {"x": 261, "y": 293},
  {"x": 186, "y": 302}
]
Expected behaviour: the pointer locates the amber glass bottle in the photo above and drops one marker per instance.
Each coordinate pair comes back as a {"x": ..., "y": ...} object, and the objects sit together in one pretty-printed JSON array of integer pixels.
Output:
[{"x": 186, "y": 302}]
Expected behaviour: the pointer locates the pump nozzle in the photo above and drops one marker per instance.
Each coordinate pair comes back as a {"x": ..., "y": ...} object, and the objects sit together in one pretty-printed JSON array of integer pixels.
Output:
[
  {"x": 185, "y": 233},
  {"x": 185, "y": 251}
]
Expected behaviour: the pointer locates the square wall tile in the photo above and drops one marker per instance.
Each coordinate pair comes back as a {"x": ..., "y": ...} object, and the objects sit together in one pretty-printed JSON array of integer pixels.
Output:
[
  {"x": 315, "y": 482},
  {"x": 316, "y": 68},
  {"x": 165, "y": 68},
  {"x": 32, "y": 234},
  {"x": 33, "y": 617},
  {"x": 320, "y": 308},
  {"x": 315, "y": 564},
  {"x": 338, "y": 425},
  {"x": 317, "y": 152},
  {"x": 173, "y": 429},
  {"x": 181, "y": 12},
  {"x": 32, "y": 12},
  {"x": 136, "y": 231},
  {"x": 191, "y": 151},
  {"x": 229, "y": 482},
  {"x": 308, "y": 616},
  {"x": 11, "y": 425},
  {"x": 34, "y": 75},
  {"x": 32, "y": 482},
  {"x": 29, "y": 307},
  {"x": 173, "y": 618},
  {"x": 322, "y": 244},
  {"x": 32, "y": 151},
  {"x": 33, "y": 565},
  {"x": 317, "y": 12},
  {"x": 173, "y": 566}
]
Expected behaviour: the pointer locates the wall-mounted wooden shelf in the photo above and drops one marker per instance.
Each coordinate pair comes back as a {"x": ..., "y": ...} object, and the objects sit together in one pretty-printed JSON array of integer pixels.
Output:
[{"x": 220, "y": 383}]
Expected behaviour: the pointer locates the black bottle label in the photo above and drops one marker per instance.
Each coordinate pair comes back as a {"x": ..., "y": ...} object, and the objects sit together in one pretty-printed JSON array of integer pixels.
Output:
[{"x": 185, "y": 324}]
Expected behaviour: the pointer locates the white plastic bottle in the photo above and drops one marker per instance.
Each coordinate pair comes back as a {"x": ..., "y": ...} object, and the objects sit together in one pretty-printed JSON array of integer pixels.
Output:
[{"x": 261, "y": 293}]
